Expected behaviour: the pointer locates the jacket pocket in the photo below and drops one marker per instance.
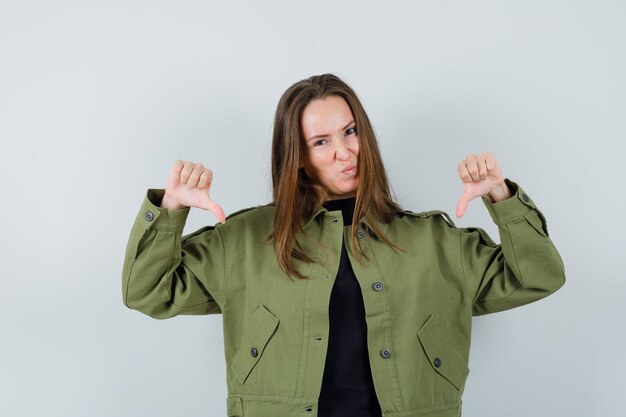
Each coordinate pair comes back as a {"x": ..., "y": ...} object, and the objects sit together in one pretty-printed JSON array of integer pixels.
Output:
[
  {"x": 258, "y": 331},
  {"x": 442, "y": 356}
]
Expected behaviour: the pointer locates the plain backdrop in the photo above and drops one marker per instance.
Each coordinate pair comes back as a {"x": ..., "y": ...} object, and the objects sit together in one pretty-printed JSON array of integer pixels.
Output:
[{"x": 97, "y": 99}]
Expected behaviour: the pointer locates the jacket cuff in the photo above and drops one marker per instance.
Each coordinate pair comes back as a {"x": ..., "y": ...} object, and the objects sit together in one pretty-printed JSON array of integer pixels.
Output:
[
  {"x": 155, "y": 217},
  {"x": 511, "y": 209}
]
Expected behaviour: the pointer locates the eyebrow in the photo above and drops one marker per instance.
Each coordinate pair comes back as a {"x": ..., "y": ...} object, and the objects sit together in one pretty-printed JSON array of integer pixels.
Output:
[{"x": 325, "y": 135}]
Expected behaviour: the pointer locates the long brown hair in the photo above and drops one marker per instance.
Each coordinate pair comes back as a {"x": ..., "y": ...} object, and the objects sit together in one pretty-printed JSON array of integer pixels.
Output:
[{"x": 296, "y": 196}]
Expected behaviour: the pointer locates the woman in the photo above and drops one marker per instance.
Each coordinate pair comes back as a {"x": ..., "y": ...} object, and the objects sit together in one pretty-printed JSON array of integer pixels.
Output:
[{"x": 335, "y": 301}]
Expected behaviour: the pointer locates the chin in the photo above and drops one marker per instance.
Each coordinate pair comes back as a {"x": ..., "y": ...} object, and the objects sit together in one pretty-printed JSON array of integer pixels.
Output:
[{"x": 344, "y": 193}]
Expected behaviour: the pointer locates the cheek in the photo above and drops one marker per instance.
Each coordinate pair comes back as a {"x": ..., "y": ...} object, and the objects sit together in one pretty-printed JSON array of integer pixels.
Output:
[
  {"x": 319, "y": 161},
  {"x": 355, "y": 146}
]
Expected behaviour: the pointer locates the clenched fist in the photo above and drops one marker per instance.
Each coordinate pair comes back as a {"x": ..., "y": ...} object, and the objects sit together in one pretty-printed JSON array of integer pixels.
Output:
[
  {"x": 188, "y": 185},
  {"x": 481, "y": 176}
]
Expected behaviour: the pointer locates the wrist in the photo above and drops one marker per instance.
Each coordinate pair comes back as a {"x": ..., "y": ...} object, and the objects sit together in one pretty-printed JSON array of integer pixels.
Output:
[
  {"x": 499, "y": 193},
  {"x": 170, "y": 203}
]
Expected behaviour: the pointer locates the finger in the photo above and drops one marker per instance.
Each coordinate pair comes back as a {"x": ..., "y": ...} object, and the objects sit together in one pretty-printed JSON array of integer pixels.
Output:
[
  {"x": 482, "y": 166},
  {"x": 177, "y": 166},
  {"x": 174, "y": 177},
  {"x": 205, "y": 178},
  {"x": 463, "y": 172},
  {"x": 492, "y": 163},
  {"x": 186, "y": 172},
  {"x": 472, "y": 167},
  {"x": 194, "y": 176}
]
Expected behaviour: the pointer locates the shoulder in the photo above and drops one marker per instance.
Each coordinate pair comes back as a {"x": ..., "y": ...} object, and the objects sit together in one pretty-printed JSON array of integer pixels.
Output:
[
  {"x": 442, "y": 223},
  {"x": 437, "y": 216},
  {"x": 439, "y": 225},
  {"x": 253, "y": 211},
  {"x": 432, "y": 225},
  {"x": 247, "y": 222},
  {"x": 256, "y": 218}
]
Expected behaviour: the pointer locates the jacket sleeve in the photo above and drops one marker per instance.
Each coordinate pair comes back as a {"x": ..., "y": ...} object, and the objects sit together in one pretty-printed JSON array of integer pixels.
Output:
[
  {"x": 166, "y": 274},
  {"x": 523, "y": 268}
]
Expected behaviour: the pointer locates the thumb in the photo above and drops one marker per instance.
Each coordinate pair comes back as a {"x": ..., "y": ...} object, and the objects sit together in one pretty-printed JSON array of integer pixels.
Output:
[
  {"x": 217, "y": 210},
  {"x": 214, "y": 208},
  {"x": 461, "y": 206}
]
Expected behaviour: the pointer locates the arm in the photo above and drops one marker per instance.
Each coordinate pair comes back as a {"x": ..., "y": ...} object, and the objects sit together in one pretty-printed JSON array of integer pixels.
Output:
[
  {"x": 166, "y": 274},
  {"x": 524, "y": 268}
]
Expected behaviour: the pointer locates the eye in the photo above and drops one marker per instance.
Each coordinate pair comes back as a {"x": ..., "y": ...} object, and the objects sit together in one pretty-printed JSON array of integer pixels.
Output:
[
  {"x": 351, "y": 131},
  {"x": 319, "y": 142}
]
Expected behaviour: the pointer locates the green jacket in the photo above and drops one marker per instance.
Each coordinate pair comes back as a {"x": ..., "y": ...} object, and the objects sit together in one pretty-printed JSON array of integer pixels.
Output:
[{"x": 419, "y": 304}]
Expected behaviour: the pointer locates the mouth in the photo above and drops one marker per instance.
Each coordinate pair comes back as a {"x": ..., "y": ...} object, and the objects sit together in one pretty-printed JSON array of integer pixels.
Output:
[{"x": 349, "y": 170}]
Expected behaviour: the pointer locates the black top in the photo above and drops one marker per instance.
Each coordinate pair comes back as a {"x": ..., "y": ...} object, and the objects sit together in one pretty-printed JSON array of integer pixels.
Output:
[{"x": 347, "y": 386}]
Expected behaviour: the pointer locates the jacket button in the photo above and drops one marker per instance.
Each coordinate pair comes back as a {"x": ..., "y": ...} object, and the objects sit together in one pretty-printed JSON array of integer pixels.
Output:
[
  {"x": 525, "y": 198},
  {"x": 254, "y": 352},
  {"x": 377, "y": 286},
  {"x": 360, "y": 233},
  {"x": 385, "y": 353},
  {"x": 149, "y": 216},
  {"x": 437, "y": 362}
]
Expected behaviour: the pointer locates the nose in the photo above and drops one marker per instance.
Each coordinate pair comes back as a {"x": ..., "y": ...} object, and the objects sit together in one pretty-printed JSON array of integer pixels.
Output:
[{"x": 341, "y": 152}]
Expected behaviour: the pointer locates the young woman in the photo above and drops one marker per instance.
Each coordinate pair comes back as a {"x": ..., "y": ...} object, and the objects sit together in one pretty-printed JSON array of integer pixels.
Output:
[{"x": 335, "y": 301}]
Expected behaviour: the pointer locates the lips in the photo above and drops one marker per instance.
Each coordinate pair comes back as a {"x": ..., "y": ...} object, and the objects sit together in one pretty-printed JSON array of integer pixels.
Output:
[{"x": 349, "y": 169}]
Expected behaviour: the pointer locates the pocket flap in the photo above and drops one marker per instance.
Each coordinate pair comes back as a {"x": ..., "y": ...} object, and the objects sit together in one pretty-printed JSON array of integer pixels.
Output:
[
  {"x": 443, "y": 357},
  {"x": 259, "y": 329},
  {"x": 538, "y": 222}
]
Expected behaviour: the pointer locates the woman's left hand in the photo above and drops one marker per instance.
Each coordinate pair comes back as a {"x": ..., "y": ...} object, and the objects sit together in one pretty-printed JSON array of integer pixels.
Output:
[{"x": 481, "y": 176}]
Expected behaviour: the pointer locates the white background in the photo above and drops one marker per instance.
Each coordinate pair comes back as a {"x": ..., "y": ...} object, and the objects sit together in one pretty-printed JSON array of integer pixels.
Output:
[{"x": 97, "y": 99}]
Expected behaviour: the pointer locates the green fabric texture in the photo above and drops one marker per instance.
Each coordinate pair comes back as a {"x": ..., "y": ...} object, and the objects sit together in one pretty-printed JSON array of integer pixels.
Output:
[{"x": 276, "y": 327}]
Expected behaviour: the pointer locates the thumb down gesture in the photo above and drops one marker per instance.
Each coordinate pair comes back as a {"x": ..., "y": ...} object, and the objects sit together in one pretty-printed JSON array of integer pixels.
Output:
[
  {"x": 188, "y": 185},
  {"x": 481, "y": 176}
]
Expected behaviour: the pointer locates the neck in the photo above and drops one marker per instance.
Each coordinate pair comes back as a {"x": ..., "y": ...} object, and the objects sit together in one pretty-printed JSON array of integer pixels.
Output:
[{"x": 343, "y": 204}]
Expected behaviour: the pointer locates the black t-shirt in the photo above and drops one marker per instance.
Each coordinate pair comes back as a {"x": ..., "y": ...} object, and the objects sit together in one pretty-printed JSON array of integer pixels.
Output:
[{"x": 347, "y": 386}]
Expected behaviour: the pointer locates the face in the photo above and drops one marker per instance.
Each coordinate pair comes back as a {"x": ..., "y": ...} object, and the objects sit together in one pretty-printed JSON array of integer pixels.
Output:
[{"x": 332, "y": 145}]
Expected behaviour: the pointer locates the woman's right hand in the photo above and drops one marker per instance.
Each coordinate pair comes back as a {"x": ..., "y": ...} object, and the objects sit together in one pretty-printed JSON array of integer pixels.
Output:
[{"x": 188, "y": 185}]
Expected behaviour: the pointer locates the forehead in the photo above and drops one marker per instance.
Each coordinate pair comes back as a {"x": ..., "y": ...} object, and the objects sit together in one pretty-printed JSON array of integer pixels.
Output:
[{"x": 325, "y": 116}]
